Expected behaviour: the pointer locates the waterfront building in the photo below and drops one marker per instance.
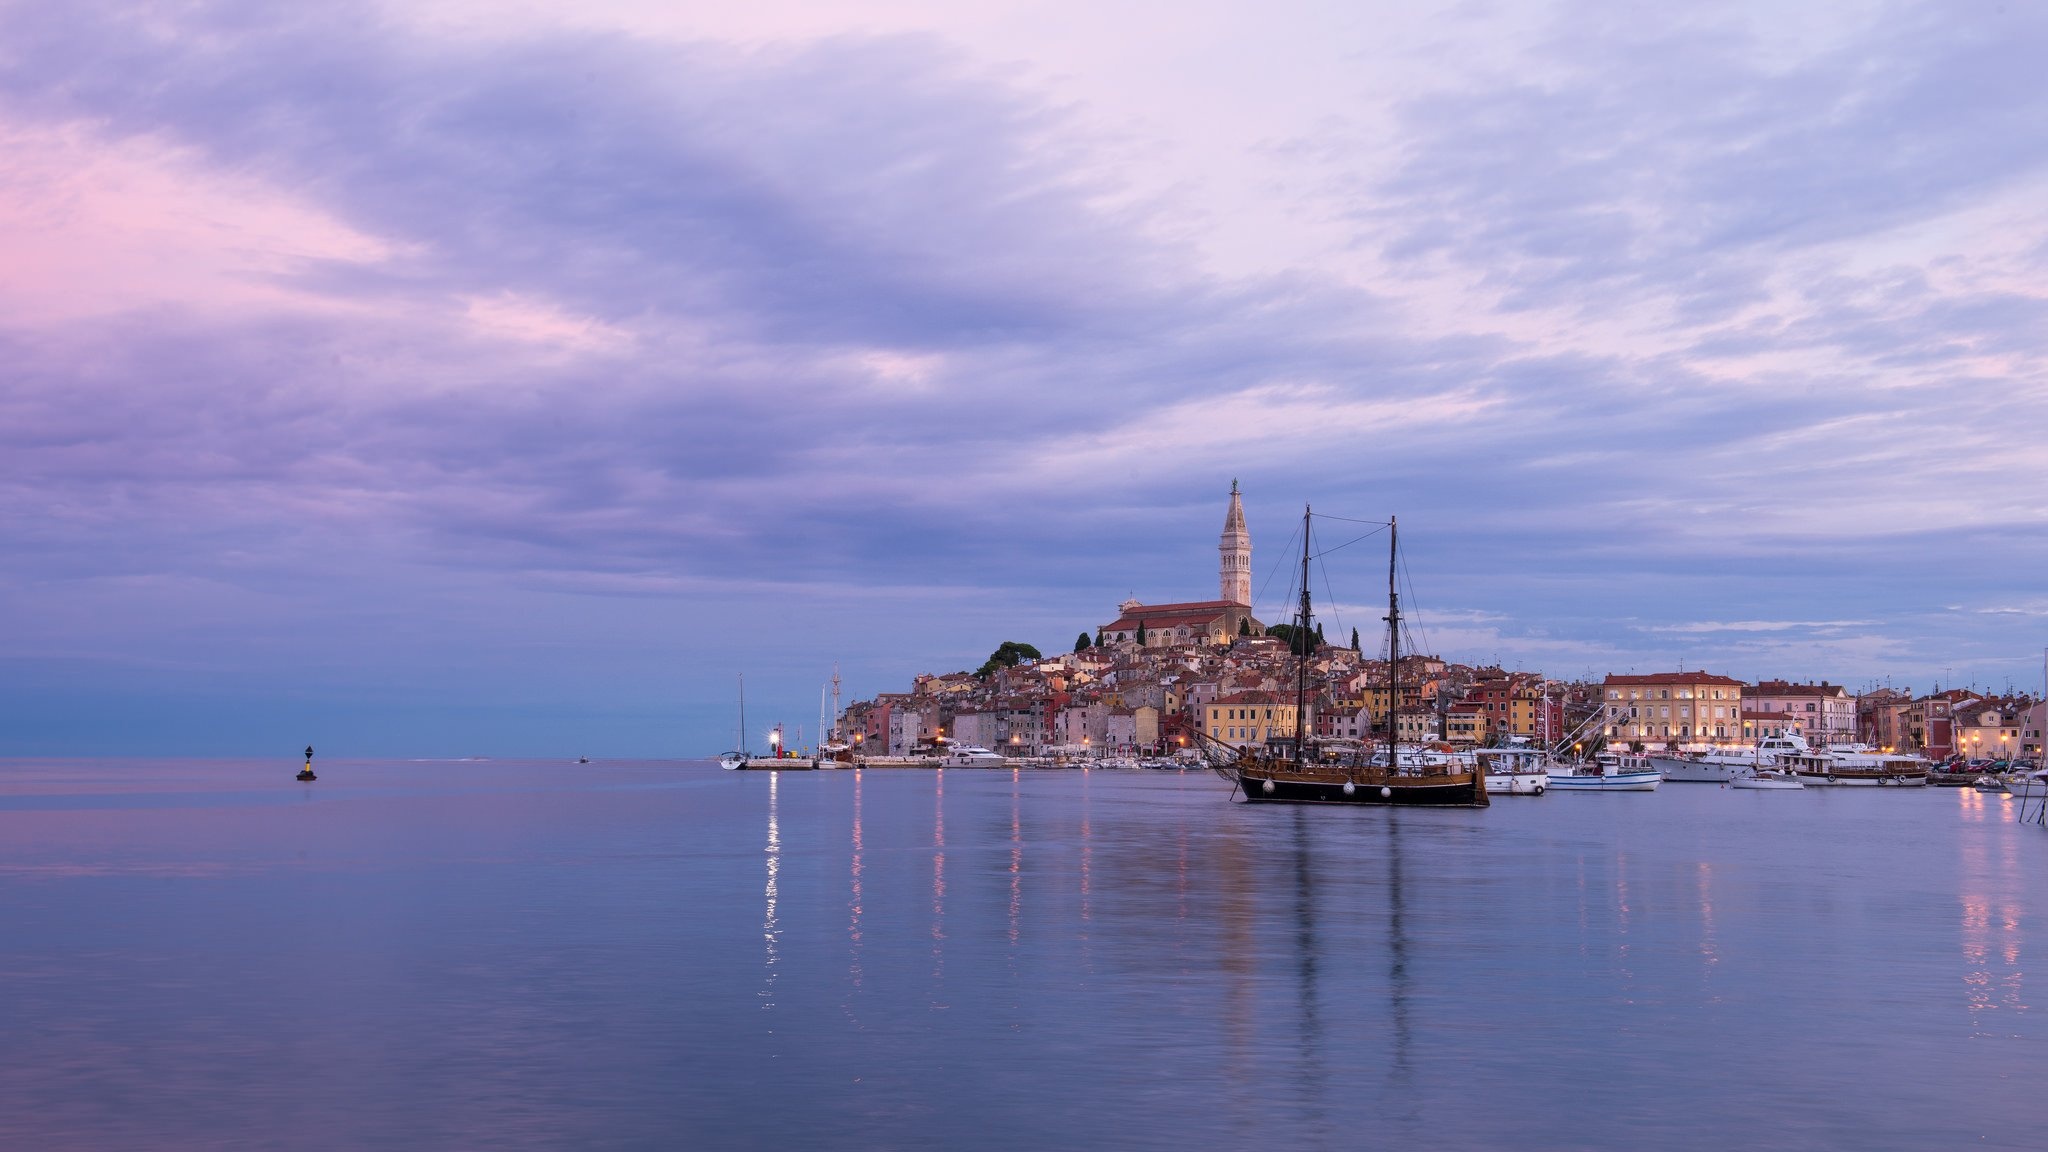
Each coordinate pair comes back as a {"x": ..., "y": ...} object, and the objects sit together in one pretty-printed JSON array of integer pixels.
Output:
[
  {"x": 1760, "y": 725},
  {"x": 1243, "y": 718},
  {"x": 1673, "y": 707},
  {"x": 1519, "y": 704},
  {"x": 1991, "y": 729},
  {"x": 1823, "y": 713},
  {"x": 1930, "y": 724},
  {"x": 1467, "y": 726}
]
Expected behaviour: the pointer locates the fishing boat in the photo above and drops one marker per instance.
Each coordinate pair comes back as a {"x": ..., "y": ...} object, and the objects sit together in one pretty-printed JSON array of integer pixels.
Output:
[
  {"x": 1608, "y": 772},
  {"x": 1293, "y": 769},
  {"x": 1767, "y": 780},
  {"x": 1514, "y": 771}
]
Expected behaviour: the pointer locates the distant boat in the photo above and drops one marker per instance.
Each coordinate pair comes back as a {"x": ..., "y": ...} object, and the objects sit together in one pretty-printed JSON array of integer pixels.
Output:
[
  {"x": 972, "y": 756},
  {"x": 737, "y": 758}
]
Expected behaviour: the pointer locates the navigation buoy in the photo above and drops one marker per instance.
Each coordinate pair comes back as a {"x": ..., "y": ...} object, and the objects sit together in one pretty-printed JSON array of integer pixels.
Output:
[
  {"x": 1386, "y": 793},
  {"x": 1267, "y": 787},
  {"x": 306, "y": 773},
  {"x": 1350, "y": 789}
]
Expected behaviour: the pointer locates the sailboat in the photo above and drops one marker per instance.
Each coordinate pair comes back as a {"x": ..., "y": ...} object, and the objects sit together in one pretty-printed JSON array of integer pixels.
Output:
[
  {"x": 741, "y": 759},
  {"x": 1305, "y": 774},
  {"x": 737, "y": 758}
]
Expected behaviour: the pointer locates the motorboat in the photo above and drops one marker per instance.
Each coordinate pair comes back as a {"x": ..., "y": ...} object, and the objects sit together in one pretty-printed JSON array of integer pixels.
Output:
[
  {"x": 1608, "y": 772},
  {"x": 1724, "y": 767},
  {"x": 1514, "y": 771},
  {"x": 1855, "y": 766},
  {"x": 972, "y": 756},
  {"x": 1768, "y": 780}
]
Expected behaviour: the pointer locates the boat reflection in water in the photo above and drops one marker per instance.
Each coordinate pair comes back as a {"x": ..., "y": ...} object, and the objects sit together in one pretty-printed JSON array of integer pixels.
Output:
[{"x": 1298, "y": 771}]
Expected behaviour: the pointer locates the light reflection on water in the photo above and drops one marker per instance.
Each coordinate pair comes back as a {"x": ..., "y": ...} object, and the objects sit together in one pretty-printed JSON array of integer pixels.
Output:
[{"x": 666, "y": 955}]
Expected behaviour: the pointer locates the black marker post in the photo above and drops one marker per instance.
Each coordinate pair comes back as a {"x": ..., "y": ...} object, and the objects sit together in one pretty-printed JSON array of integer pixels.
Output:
[{"x": 306, "y": 773}]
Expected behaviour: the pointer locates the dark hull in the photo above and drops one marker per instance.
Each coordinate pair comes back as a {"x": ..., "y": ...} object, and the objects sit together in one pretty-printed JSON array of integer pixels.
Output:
[{"x": 1326, "y": 786}]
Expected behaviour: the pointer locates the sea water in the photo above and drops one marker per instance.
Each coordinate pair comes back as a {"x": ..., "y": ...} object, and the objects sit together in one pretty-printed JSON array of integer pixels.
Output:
[{"x": 663, "y": 955}]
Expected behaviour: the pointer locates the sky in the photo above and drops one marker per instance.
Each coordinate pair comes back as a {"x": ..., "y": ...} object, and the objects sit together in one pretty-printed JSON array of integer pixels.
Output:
[{"x": 486, "y": 378}]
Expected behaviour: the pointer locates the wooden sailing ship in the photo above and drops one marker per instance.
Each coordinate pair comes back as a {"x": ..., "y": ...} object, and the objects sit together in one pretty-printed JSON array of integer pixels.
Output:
[{"x": 1301, "y": 771}]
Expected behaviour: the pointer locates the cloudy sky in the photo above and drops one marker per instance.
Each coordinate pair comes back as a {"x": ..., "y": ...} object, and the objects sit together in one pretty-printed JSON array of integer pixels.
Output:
[{"x": 482, "y": 377}]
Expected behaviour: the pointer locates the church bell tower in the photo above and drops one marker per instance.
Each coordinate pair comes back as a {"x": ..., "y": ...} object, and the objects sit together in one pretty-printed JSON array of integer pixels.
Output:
[{"x": 1237, "y": 553}]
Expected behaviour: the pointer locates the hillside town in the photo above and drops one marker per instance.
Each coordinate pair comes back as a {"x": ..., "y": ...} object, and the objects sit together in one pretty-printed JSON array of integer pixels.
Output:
[{"x": 1148, "y": 680}]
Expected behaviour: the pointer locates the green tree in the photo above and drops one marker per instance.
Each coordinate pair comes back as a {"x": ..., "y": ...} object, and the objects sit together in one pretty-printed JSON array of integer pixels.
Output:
[
  {"x": 1008, "y": 655},
  {"x": 1244, "y": 625},
  {"x": 1141, "y": 633},
  {"x": 1098, "y": 638},
  {"x": 1300, "y": 641},
  {"x": 1354, "y": 641},
  {"x": 1081, "y": 642}
]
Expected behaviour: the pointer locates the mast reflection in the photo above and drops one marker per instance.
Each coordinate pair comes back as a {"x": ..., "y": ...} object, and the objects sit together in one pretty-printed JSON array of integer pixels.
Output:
[
  {"x": 1307, "y": 957},
  {"x": 1400, "y": 990}
]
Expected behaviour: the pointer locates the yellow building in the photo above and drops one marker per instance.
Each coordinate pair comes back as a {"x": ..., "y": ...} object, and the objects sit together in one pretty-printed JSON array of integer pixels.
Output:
[
  {"x": 1248, "y": 718},
  {"x": 1673, "y": 708},
  {"x": 1468, "y": 727}
]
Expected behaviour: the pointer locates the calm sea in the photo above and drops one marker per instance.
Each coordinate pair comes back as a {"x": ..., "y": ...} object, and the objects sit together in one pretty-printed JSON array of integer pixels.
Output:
[{"x": 662, "y": 955}]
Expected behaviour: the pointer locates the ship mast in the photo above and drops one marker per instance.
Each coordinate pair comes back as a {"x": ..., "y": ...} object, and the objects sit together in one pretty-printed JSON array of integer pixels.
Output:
[
  {"x": 1393, "y": 652},
  {"x": 1300, "y": 638}
]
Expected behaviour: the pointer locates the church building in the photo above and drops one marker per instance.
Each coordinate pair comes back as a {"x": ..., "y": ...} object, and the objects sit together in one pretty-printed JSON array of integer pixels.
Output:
[{"x": 1198, "y": 621}]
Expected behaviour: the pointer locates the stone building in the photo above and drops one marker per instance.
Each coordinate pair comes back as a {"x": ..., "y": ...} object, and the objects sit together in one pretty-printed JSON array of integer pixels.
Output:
[{"x": 1197, "y": 621}]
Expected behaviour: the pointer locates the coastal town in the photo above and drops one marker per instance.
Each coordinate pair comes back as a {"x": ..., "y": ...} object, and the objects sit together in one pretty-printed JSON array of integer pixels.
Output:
[{"x": 1152, "y": 680}]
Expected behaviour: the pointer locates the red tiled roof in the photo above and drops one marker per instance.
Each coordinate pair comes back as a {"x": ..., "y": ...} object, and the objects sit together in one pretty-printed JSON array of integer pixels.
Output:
[{"x": 1672, "y": 678}]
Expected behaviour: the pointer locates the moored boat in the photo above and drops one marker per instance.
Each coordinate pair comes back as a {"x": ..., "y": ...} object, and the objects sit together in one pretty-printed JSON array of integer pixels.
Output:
[
  {"x": 1767, "y": 780},
  {"x": 1514, "y": 771},
  {"x": 972, "y": 756},
  {"x": 1607, "y": 773},
  {"x": 1722, "y": 767},
  {"x": 1852, "y": 766},
  {"x": 1295, "y": 770}
]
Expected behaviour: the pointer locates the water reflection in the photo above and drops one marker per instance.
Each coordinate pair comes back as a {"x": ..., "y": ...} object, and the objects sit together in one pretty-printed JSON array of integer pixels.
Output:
[
  {"x": 853, "y": 903},
  {"x": 1016, "y": 859},
  {"x": 1401, "y": 1069},
  {"x": 938, "y": 887},
  {"x": 771, "y": 930},
  {"x": 1993, "y": 904},
  {"x": 1307, "y": 956}
]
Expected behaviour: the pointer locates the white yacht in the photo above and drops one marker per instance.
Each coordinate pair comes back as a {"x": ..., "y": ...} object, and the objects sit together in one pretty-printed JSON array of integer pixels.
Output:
[
  {"x": 972, "y": 756},
  {"x": 1722, "y": 767},
  {"x": 1514, "y": 771}
]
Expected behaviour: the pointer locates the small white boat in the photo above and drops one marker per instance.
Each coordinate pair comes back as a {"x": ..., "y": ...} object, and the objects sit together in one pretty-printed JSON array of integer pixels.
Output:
[
  {"x": 1767, "y": 780},
  {"x": 1607, "y": 773},
  {"x": 1514, "y": 771},
  {"x": 972, "y": 756}
]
